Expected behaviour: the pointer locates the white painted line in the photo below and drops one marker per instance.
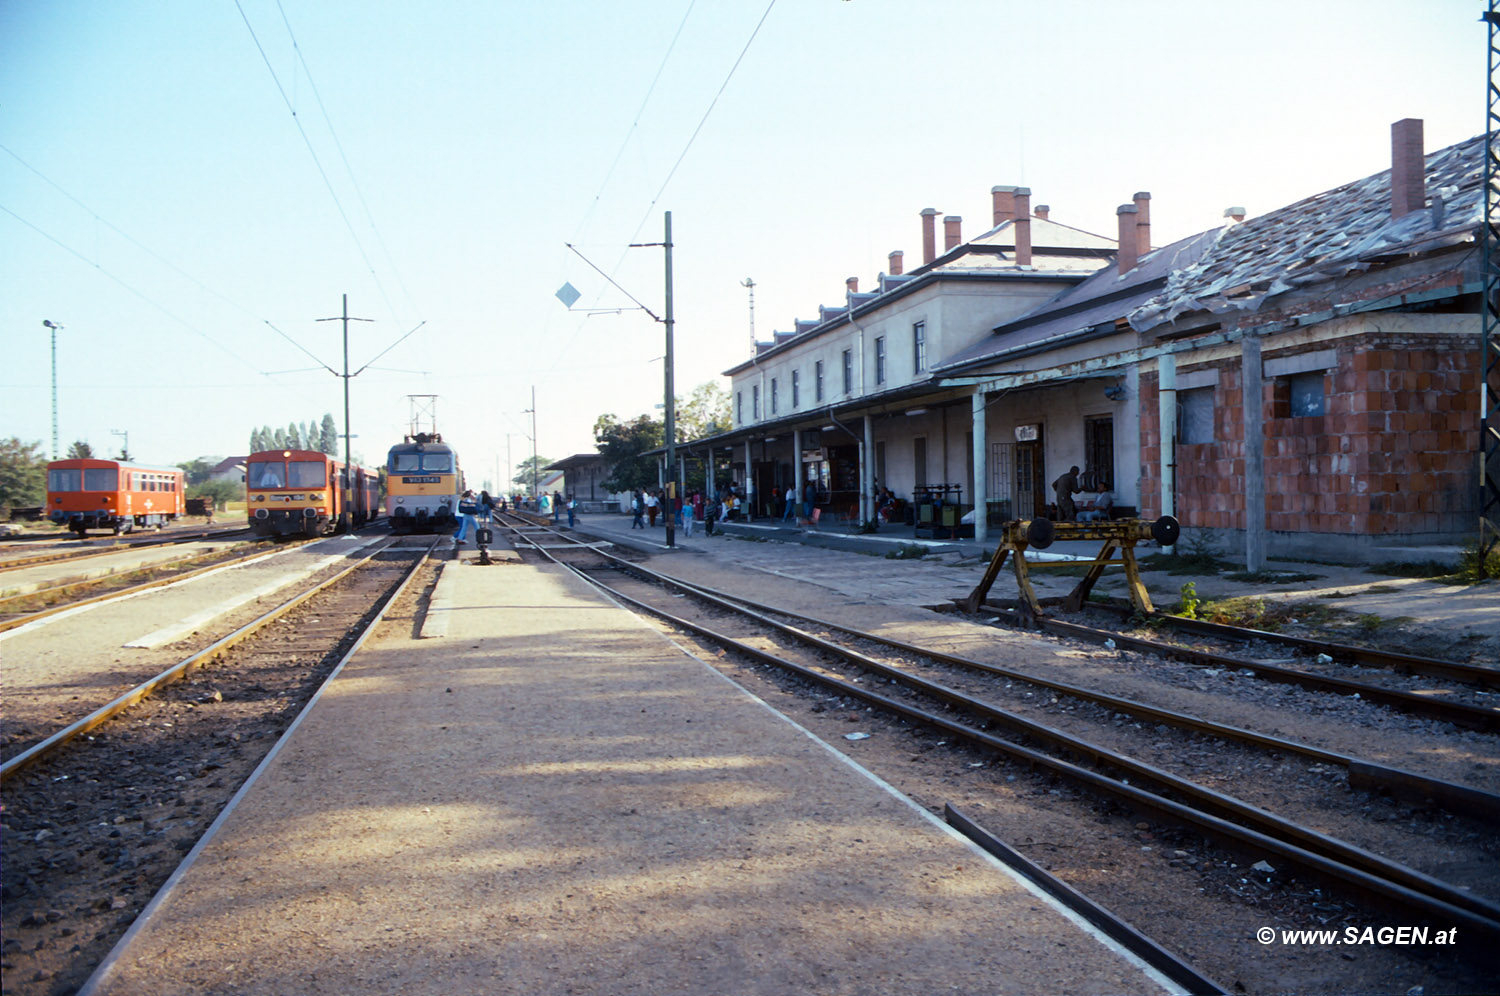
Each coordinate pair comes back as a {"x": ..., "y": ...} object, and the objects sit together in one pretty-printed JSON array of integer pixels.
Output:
[
  {"x": 440, "y": 607},
  {"x": 186, "y": 627}
]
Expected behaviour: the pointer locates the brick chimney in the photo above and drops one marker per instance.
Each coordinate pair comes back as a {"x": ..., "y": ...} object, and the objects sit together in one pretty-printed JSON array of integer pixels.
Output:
[
  {"x": 852, "y": 285},
  {"x": 1408, "y": 174},
  {"x": 1142, "y": 223},
  {"x": 1023, "y": 226},
  {"x": 951, "y": 237},
  {"x": 1237, "y": 213},
  {"x": 929, "y": 235},
  {"x": 1040, "y": 211},
  {"x": 895, "y": 262},
  {"x": 1129, "y": 240},
  {"x": 1005, "y": 204}
]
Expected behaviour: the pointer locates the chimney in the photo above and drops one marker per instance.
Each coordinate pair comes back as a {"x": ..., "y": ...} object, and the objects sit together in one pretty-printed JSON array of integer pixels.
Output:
[
  {"x": 1129, "y": 241},
  {"x": 895, "y": 262},
  {"x": 852, "y": 285},
  {"x": 1023, "y": 226},
  {"x": 1408, "y": 174},
  {"x": 1237, "y": 213},
  {"x": 951, "y": 237},
  {"x": 1142, "y": 223},
  {"x": 1041, "y": 211},
  {"x": 929, "y": 235},
  {"x": 1005, "y": 204}
]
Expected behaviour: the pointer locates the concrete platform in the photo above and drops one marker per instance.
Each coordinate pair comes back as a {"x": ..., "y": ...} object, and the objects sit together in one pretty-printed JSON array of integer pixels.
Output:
[{"x": 553, "y": 798}]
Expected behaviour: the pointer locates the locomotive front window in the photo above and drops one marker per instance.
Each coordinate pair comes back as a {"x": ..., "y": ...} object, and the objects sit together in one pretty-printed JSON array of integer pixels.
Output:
[
  {"x": 101, "y": 479},
  {"x": 64, "y": 480},
  {"x": 441, "y": 462},
  {"x": 305, "y": 474},
  {"x": 405, "y": 463},
  {"x": 271, "y": 474}
]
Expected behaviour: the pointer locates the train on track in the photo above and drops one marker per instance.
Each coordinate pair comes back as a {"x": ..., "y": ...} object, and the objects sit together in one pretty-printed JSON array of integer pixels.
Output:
[
  {"x": 423, "y": 484},
  {"x": 307, "y": 493},
  {"x": 118, "y": 495}
]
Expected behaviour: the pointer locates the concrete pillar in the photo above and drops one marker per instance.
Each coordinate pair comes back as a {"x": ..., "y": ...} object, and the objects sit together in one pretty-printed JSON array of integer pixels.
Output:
[
  {"x": 867, "y": 473},
  {"x": 710, "y": 490},
  {"x": 1166, "y": 397},
  {"x": 981, "y": 469},
  {"x": 1255, "y": 454},
  {"x": 797, "y": 479},
  {"x": 749, "y": 483}
]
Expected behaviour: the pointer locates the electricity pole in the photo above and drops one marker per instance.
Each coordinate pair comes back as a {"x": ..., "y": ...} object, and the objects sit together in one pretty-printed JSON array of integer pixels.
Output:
[
  {"x": 54, "y": 327},
  {"x": 348, "y": 481},
  {"x": 673, "y": 485}
]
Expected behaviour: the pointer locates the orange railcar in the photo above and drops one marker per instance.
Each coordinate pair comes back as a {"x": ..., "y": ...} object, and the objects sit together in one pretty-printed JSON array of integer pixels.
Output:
[
  {"x": 86, "y": 494},
  {"x": 306, "y": 493}
]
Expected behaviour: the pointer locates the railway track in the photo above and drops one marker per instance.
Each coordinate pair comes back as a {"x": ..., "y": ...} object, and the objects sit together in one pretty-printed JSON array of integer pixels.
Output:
[
  {"x": 99, "y": 813},
  {"x": 19, "y": 610},
  {"x": 114, "y": 544},
  {"x": 904, "y": 688}
]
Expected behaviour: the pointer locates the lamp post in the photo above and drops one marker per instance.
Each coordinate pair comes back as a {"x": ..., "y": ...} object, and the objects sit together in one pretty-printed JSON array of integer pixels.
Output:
[
  {"x": 54, "y": 327},
  {"x": 536, "y": 477}
]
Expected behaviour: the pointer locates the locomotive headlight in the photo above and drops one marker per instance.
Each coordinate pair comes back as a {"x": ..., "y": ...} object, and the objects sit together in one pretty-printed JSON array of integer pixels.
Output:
[
  {"x": 400, "y": 500},
  {"x": 445, "y": 500},
  {"x": 314, "y": 497}
]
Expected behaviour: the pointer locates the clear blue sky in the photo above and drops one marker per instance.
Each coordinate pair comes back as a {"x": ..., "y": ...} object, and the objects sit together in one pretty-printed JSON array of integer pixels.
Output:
[{"x": 158, "y": 199}]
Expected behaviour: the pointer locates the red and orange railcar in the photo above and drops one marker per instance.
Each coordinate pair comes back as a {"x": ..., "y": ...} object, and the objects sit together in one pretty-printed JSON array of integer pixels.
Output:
[
  {"x": 85, "y": 494},
  {"x": 307, "y": 493}
]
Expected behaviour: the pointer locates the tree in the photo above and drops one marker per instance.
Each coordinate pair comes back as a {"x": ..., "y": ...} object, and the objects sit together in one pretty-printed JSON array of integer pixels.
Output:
[
  {"x": 23, "y": 474},
  {"x": 80, "y": 450},
  {"x": 622, "y": 445},
  {"x": 278, "y": 439},
  {"x": 293, "y": 436},
  {"x": 220, "y": 491},
  {"x": 704, "y": 413},
  {"x": 198, "y": 470},
  {"x": 528, "y": 473},
  {"x": 328, "y": 436}
]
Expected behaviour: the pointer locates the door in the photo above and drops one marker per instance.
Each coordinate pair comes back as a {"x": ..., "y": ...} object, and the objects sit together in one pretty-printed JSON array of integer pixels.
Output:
[{"x": 1031, "y": 495}]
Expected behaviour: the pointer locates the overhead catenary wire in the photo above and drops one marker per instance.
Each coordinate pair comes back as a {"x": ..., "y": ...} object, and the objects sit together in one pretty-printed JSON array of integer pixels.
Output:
[{"x": 318, "y": 163}]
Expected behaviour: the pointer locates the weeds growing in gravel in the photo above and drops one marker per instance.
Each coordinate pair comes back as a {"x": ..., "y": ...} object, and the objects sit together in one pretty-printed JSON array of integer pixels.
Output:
[{"x": 907, "y": 551}]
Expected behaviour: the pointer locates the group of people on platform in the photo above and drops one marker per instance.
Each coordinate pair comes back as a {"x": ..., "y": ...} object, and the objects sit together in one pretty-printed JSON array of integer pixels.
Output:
[{"x": 473, "y": 509}]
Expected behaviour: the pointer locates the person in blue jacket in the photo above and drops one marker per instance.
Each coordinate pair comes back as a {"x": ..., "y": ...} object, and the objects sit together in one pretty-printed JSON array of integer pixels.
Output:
[{"x": 467, "y": 507}]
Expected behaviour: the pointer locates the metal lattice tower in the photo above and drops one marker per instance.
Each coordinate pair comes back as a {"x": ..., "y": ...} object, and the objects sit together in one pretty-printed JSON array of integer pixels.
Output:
[{"x": 1489, "y": 359}]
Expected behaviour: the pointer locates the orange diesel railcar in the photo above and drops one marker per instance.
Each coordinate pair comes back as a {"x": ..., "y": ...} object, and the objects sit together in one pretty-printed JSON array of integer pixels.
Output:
[
  {"x": 304, "y": 492},
  {"x": 112, "y": 494}
]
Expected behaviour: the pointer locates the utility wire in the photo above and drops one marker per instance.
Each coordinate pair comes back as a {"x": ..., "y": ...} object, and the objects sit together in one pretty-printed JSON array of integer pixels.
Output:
[
  {"x": 358, "y": 191},
  {"x": 338, "y": 204},
  {"x": 635, "y": 123},
  {"x": 153, "y": 303}
]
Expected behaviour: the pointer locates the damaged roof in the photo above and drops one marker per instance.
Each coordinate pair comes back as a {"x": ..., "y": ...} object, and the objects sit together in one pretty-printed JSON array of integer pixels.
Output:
[
  {"x": 1336, "y": 233},
  {"x": 1094, "y": 305}
]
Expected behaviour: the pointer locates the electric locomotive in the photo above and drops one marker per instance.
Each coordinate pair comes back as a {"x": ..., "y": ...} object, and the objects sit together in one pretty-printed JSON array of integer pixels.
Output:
[
  {"x": 423, "y": 482},
  {"x": 306, "y": 493},
  {"x": 85, "y": 494}
]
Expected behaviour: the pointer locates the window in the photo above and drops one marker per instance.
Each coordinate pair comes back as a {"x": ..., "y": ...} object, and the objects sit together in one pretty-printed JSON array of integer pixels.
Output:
[
  {"x": 272, "y": 474},
  {"x": 796, "y": 388},
  {"x": 401, "y": 463},
  {"x": 1195, "y": 415},
  {"x": 306, "y": 474},
  {"x": 739, "y": 406},
  {"x": 775, "y": 397},
  {"x": 818, "y": 381},
  {"x": 919, "y": 347},
  {"x": 1306, "y": 390},
  {"x": 101, "y": 479},
  {"x": 441, "y": 462},
  {"x": 848, "y": 371},
  {"x": 880, "y": 359},
  {"x": 755, "y": 402},
  {"x": 68, "y": 479}
]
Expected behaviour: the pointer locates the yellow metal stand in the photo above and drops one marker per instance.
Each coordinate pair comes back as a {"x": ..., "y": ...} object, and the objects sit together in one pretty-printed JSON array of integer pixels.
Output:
[{"x": 1119, "y": 535}]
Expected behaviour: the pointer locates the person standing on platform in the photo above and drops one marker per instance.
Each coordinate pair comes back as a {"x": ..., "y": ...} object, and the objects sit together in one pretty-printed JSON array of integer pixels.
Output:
[
  {"x": 467, "y": 506},
  {"x": 790, "y": 512},
  {"x": 572, "y": 511},
  {"x": 1065, "y": 487},
  {"x": 689, "y": 509},
  {"x": 652, "y": 506},
  {"x": 637, "y": 506}
]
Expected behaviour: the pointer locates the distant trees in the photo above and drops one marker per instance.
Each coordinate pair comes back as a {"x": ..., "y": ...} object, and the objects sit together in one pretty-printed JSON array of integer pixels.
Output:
[
  {"x": 198, "y": 471},
  {"x": 622, "y": 445},
  {"x": 23, "y": 474},
  {"x": 80, "y": 450},
  {"x": 321, "y": 436},
  {"x": 529, "y": 472},
  {"x": 704, "y": 413}
]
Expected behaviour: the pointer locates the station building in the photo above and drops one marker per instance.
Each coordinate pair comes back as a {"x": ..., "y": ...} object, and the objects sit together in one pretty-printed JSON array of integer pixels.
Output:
[{"x": 974, "y": 380}]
